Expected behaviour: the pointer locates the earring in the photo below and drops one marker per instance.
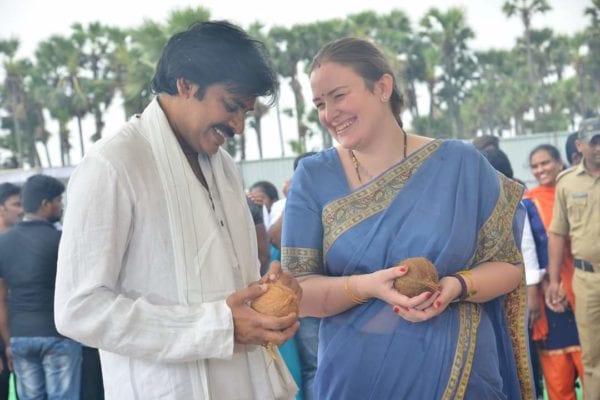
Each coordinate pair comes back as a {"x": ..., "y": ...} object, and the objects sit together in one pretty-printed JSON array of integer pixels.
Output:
[{"x": 384, "y": 99}]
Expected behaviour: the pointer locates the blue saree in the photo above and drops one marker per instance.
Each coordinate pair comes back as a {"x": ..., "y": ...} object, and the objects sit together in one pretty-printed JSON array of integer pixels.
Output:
[{"x": 446, "y": 203}]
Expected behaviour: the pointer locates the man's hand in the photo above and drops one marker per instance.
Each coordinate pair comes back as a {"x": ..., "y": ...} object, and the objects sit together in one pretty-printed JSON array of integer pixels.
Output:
[
  {"x": 252, "y": 327},
  {"x": 555, "y": 297},
  {"x": 276, "y": 273},
  {"x": 533, "y": 304}
]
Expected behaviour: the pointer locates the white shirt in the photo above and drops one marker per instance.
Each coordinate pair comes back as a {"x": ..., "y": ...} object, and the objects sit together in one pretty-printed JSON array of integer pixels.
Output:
[
  {"x": 533, "y": 273},
  {"x": 145, "y": 265}
]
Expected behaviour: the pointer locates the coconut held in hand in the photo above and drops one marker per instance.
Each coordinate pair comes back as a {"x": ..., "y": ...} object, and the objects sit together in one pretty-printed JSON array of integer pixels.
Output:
[
  {"x": 421, "y": 277},
  {"x": 278, "y": 301}
]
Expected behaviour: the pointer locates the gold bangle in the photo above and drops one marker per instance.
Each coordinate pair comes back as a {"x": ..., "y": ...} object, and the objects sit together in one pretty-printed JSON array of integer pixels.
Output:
[
  {"x": 350, "y": 293},
  {"x": 467, "y": 275}
]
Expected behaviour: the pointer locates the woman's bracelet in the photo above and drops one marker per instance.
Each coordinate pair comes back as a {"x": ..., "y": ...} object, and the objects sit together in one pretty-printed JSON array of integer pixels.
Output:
[
  {"x": 464, "y": 277},
  {"x": 463, "y": 287},
  {"x": 350, "y": 293}
]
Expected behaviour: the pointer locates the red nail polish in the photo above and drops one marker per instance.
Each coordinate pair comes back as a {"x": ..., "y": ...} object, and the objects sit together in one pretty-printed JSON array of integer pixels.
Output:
[
  {"x": 402, "y": 269},
  {"x": 395, "y": 309},
  {"x": 437, "y": 304}
]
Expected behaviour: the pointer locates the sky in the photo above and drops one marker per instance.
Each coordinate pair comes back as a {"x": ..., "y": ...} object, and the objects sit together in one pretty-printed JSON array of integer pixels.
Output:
[{"x": 33, "y": 21}]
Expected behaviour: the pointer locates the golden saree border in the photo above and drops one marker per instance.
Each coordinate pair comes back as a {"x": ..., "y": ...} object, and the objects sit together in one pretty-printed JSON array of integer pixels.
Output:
[
  {"x": 470, "y": 316},
  {"x": 302, "y": 261},
  {"x": 344, "y": 213},
  {"x": 495, "y": 242}
]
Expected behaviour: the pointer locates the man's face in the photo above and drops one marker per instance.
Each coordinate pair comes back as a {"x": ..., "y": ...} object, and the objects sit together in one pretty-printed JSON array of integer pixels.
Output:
[
  {"x": 204, "y": 124},
  {"x": 590, "y": 151},
  {"x": 11, "y": 211},
  {"x": 55, "y": 209}
]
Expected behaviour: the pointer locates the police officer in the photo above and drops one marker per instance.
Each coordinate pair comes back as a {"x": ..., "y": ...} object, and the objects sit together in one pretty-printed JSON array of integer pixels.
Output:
[{"x": 577, "y": 218}]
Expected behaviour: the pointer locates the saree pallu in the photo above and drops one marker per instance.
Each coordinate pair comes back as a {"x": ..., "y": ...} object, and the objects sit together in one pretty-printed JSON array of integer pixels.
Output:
[{"x": 446, "y": 203}]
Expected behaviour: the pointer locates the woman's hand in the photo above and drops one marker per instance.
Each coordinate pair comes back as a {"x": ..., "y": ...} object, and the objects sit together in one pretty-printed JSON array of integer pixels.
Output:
[
  {"x": 277, "y": 274},
  {"x": 430, "y": 306},
  {"x": 380, "y": 285}
]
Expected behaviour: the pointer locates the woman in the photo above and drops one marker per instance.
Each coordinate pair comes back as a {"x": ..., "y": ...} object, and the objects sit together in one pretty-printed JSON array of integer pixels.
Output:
[
  {"x": 555, "y": 334},
  {"x": 378, "y": 197}
]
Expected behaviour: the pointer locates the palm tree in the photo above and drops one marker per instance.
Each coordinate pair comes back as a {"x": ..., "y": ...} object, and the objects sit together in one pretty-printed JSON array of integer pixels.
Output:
[
  {"x": 96, "y": 45},
  {"x": 13, "y": 95},
  {"x": 448, "y": 31},
  {"x": 526, "y": 9},
  {"x": 23, "y": 110}
]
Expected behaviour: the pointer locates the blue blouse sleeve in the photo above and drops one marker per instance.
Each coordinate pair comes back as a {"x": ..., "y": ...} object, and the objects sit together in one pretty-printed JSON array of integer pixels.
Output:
[{"x": 302, "y": 240}]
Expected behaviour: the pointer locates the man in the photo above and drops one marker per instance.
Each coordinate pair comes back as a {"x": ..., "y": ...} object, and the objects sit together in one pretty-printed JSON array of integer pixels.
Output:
[
  {"x": 159, "y": 252},
  {"x": 11, "y": 213},
  {"x": 573, "y": 155},
  {"x": 576, "y": 216},
  {"x": 46, "y": 364}
]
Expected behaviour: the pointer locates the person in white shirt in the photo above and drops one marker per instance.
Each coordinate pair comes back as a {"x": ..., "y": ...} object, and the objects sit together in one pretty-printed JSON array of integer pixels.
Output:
[{"x": 158, "y": 260}]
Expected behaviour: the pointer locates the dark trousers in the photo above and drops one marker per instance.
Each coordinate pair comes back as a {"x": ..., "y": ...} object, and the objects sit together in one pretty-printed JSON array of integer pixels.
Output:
[
  {"x": 536, "y": 367},
  {"x": 92, "y": 387},
  {"x": 5, "y": 375}
]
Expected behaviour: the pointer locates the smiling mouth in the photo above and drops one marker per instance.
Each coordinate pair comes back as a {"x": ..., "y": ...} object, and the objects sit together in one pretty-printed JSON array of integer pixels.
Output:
[
  {"x": 224, "y": 131},
  {"x": 342, "y": 127}
]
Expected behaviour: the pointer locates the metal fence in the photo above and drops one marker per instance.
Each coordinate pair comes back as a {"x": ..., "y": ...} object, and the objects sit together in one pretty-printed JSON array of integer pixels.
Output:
[{"x": 277, "y": 170}]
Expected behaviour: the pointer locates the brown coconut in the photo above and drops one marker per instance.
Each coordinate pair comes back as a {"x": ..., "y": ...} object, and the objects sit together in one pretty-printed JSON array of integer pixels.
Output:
[
  {"x": 278, "y": 301},
  {"x": 421, "y": 277}
]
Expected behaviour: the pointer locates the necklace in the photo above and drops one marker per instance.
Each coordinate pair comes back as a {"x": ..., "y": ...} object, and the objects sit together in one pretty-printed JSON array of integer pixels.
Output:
[{"x": 357, "y": 164}]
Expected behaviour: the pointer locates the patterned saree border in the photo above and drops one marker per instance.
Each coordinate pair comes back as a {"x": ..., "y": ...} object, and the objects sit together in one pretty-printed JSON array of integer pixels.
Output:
[
  {"x": 470, "y": 316},
  {"x": 496, "y": 243},
  {"x": 342, "y": 214},
  {"x": 302, "y": 261}
]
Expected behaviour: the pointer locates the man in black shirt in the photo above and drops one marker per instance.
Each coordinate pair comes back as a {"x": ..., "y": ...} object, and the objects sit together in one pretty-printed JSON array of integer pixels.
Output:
[
  {"x": 11, "y": 213},
  {"x": 47, "y": 365}
]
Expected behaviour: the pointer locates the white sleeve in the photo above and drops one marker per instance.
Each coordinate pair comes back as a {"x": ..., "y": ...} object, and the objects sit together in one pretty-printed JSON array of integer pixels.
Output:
[
  {"x": 89, "y": 305},
  {"x": 533, "y": 274},
  {"x": 277, "y": 210}
]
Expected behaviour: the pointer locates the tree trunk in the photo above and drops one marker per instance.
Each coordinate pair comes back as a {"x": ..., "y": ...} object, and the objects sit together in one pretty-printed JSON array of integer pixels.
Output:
[
  {"x": 81, "y": 144},
  {"x": 280, "y": 128},
  {"x": 47, "y": 152},
  {"x": 99, "y": 124},
  {"x": 18, "y": 143},
  {"x": 412, "y": 99},
  {"x": 534, "y": 94},
  {"x": 300, "y": 107},
  {"x": 243, "y": 147},
  {"x": 458, "y": 124},
  {"x": 258, "y": 129}
]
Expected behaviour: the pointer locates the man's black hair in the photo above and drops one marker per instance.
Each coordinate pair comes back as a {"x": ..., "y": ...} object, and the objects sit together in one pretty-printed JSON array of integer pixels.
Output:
[
  {"x": 301, "y": 156},
  {"x": 499, "y": 161},
  {"x": 7, "y": 190},
  {"x": 268, "y": 189},
  {"x": 38, "y": 188},
  {"x": 570, "y": 147},
  {"x": 216, "y": 52}
]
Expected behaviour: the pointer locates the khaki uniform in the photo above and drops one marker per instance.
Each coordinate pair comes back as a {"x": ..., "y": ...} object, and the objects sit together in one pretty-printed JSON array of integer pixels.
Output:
[{"x": 577, "y": 215}]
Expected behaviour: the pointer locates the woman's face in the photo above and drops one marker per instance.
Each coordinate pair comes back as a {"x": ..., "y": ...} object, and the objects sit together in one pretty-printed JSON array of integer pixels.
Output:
[
  {"x": 346, "y": 107},
  {"x": 544, "y": 168}
]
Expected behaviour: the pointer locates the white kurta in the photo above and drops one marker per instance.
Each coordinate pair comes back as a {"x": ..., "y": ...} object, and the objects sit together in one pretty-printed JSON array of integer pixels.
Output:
[{"x": 145, "y": 265}]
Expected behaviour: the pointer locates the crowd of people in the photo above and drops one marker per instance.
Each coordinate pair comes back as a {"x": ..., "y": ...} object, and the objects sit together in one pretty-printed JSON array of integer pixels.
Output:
[{"x": 161, "y": 251}]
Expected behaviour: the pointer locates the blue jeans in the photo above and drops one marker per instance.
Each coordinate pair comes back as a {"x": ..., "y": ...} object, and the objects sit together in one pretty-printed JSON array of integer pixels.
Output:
[
  {"x": 307, "y": 340},
  {"x": 46, "y": 367}
]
